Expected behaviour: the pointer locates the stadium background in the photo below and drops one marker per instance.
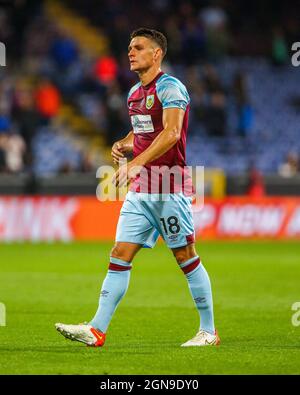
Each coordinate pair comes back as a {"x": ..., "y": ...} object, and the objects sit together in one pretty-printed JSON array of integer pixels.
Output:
[{"x": 62, "y": 105}]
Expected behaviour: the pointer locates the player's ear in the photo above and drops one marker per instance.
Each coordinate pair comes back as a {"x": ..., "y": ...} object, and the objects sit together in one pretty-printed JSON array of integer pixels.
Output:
[{"x": 157, "y": 53}]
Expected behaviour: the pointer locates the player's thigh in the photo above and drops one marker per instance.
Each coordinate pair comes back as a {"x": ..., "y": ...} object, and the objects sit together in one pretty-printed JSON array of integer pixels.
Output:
[{"x": 125, "y": 251}]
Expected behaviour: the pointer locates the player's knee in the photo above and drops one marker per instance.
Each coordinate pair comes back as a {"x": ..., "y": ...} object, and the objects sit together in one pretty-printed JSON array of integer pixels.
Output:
[
  {"x": 179, "y": 256},
  {"x": 185, "y": 253},
  {"x": 121, "y": 252},
  {"x": 117, "y": 252}
]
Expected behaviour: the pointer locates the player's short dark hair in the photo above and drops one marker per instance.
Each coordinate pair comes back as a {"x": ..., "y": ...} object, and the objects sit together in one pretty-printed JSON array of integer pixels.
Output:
[{"x": 154, "y": 35}]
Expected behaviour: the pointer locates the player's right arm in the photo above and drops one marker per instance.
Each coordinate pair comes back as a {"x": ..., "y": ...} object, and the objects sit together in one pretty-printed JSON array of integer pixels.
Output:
[{"x": 121, "y": 147}]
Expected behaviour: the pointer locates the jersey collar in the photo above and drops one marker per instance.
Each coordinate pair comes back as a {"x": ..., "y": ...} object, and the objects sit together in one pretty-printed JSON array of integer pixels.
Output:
[{"x": 146, "y": 87}]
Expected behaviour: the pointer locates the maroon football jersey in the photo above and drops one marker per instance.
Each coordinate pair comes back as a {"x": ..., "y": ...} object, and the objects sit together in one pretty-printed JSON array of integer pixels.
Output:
[{"x": 145, "y": 105}]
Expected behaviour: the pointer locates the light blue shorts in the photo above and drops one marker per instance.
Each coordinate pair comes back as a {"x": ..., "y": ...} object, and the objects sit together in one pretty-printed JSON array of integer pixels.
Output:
[{"x": 144, "y": 217}]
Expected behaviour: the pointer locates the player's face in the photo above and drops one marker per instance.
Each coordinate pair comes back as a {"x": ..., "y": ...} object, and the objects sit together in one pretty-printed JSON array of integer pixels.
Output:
[{"x": 142, "y": 54}]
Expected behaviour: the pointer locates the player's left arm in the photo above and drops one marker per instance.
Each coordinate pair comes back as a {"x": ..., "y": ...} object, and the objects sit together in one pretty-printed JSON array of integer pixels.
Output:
[{"x": 167, "y": 138}]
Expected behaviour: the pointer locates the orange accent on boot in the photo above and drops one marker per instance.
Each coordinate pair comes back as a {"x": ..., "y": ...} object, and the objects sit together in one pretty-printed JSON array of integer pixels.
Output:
[
  {"x": 100, "y": 336},
  {"x": 218, "y": 338}
]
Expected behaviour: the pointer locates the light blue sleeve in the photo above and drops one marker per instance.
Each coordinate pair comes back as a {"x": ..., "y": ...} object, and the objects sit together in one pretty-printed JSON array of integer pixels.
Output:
[{"x": 172, "y": 93}]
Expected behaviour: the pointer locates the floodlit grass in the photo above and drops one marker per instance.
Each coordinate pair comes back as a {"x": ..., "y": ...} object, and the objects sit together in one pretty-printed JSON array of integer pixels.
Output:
[{"x": 254, "y": 285}]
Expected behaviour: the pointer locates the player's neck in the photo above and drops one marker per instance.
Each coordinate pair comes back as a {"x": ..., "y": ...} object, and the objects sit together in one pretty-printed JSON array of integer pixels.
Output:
[{"x": 148, "y": 75}]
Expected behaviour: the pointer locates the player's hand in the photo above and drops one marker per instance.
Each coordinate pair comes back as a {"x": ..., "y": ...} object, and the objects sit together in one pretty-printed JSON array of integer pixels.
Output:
[
  {"x": 125, "y": 173},
  {"x": 117, "y": 151}
]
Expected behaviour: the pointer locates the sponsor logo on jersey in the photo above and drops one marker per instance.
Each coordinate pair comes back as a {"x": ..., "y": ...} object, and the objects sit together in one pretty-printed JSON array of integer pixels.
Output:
[
  {"x": 142, "y": 124},
  {"x": 149, "y": 101}
]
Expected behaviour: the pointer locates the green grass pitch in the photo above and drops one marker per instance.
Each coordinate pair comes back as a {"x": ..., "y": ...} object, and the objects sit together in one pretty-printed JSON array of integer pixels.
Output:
[{"x": 254, "y": 285}]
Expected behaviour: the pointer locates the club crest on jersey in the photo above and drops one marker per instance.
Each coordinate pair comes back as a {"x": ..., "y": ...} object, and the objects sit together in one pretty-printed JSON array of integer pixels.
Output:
[{"x": 149, "y": 101}]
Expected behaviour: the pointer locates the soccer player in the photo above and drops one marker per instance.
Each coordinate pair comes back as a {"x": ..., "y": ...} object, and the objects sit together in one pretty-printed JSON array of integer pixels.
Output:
[{"x": 158, "y": 107}]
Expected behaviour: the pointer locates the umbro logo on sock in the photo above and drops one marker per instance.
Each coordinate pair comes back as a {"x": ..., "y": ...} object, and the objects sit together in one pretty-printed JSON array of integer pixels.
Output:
[
  {"x": 104, "y": 293},
  {"x": 200, "y": 300}
]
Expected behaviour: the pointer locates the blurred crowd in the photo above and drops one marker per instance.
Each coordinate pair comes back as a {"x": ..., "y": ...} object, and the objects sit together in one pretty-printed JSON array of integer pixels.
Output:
[
  {"x": 49, "y": 68},
  {"x": 291, "y": 166},
  {"x": 24, "y": 108}
]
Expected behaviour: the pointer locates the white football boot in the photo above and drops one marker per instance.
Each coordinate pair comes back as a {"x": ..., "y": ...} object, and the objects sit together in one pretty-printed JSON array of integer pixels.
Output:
[
  {"x": 203, "y": 338},
  {"x": 83, "y": 333}
]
